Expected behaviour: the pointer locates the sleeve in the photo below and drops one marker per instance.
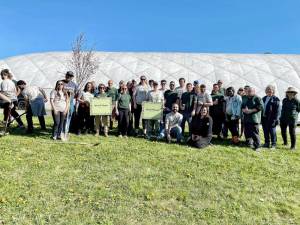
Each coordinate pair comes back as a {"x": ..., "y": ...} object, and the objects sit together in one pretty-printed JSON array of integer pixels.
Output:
[
  {"x": 260, "y": 104},
  {"x": 52, "y": 94},
  {"x": 208, "y": 98},
  {"x": 298, "y": 106}
]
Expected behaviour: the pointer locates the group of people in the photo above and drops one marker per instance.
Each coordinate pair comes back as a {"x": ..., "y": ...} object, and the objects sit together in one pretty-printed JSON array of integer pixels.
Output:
[{"x": 217, "y": 113}]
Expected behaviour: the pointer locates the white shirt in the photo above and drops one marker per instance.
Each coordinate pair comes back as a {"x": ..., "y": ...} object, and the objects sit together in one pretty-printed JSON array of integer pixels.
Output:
[
  {"x": 173, "y": 119},
  {"x": 155, "y": 96},
  {"x": 141, "y": 93},
  {"x": 9, "y": 89},
  {"x": 59, "y": 100},
  {"x": 32, "y": 93}
]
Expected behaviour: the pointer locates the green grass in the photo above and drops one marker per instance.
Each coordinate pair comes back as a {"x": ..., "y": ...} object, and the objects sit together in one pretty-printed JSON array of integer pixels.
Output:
[{"x": 134, "y": 181}]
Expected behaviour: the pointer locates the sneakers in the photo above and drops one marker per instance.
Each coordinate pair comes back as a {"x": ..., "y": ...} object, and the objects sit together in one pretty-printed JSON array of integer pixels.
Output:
[{"x": 120, "y": 136}]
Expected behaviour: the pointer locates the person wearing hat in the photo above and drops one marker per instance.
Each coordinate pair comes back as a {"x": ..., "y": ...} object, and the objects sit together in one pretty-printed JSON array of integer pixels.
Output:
[
  {"x": 139, "y": 96},
  {"x": 155, "y": 96},
  {"x": 251, "y": 109},
  {"x": 270, "y": 116},
  {"x": 35, "y": 98},
  {"x": 103, "y": 120},
  {"x": 289, "y": 116},
  {"x": 72, "y": 90}
]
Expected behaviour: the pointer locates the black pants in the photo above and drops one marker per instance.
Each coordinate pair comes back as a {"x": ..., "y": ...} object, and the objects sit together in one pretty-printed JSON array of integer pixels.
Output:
[
  {"x": 218, "y": 123},
  {"x": 269, "y": 128},
  {"x": 85, "y": 121},
  {"x": 292, "y": 130},
  {"x": 29, "y": 120},
  {"x": 7, "y": 112},
  {"x": 233, "y": 126},
  {"x": 123, "y": 121},
  {"x": 58, "y": 127},
  {"x": 252, "y": 131},
  {"x": 137, "y": 117}
]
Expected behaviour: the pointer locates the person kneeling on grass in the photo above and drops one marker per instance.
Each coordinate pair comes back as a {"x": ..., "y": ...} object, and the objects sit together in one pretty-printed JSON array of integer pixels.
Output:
[
  {"x": 172, "y": 125},
  {"x": 35, "y": 98},
  {"x": 102, "y": 121},
  {"x": 59, "y": 101},
  {"x": 201, "y": 129}
]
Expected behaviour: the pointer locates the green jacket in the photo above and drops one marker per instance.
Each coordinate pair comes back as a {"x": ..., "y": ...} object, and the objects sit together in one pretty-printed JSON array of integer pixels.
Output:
[
  {"x": 253, "y": 103},
  {"x": 290, "y": 110}
]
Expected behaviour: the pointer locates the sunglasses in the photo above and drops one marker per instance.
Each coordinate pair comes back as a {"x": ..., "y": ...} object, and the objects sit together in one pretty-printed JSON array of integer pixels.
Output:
[
  {"x": 291, "y": 92},
  {"x": 60, "y": 84},
  {"x": 102, "y": 87}
]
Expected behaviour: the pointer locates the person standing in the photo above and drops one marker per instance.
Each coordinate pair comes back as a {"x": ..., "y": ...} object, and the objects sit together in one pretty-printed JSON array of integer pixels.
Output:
[
  {"x": 86, "y": 121},
  {"x": 201, "y": 98},
  {"x": 155, "y": 96},
  {"x": 186, "y": 106},
  {"x": 9, "y": 89},
  {"x": 35, "y": 99},
  {"x": 59, "y": 100},
  {"x": 182, "y": 88},
  {"x": 201, "y": 129},
  {"x": 233, "y": 113},
  {"x": 123, "y": 108},
  {"x": 163, "y": 86},
  {"x": 171, "y": 97},
  {"x": 72, "y": 90},
  {"x": 289, "y": 116},
  {"x": 222, "y": 90},
  {"x": 102, "y": 121},
  {"x": 216, "y": 111},
  {"x": 270, "y": 116},
  {"x": 139, "y": 97},
  {"x": 251, "y": 109},
  {"x": 112, "y": 92}
]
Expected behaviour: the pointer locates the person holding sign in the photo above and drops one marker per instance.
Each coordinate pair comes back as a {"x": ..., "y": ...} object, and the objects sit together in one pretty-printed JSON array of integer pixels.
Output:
[
  {"x": 173, "y": 125},
  {"x": 155, "y": 96},
  {"x": 102, "y": 120},
  {"x": 123, "y": 109}
]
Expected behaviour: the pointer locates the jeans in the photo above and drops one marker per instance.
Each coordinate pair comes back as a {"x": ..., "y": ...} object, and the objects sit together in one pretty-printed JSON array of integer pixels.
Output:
[
  {"x": 292, "y": 130},
  {"x": 269, "y": 129},
  {"x": 58, "y": 127},
  {"x": 233, "y": 126},
  {"x": 252, "y": 131},
  {"x": 175, "y": 132},
  {"x": 186, "y": 116},
  {"x": 29, "y": 120},
  {"x": 153, "y": 127}
]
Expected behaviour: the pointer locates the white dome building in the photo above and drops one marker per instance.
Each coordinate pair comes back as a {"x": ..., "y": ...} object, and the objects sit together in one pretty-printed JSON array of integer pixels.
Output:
[{"x": 44, "y": 69}]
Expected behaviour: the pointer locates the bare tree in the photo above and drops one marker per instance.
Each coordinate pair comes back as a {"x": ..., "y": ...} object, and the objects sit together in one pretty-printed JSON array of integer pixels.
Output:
[{"x": 83, "y": 61}]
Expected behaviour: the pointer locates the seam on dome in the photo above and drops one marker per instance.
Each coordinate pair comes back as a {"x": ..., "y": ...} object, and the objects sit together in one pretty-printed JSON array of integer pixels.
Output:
[{"x": 279, "y": 78}]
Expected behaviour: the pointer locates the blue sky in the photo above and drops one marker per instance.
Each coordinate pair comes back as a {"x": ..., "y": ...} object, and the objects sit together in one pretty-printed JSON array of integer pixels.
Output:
[{"x": 222, "y": 26}]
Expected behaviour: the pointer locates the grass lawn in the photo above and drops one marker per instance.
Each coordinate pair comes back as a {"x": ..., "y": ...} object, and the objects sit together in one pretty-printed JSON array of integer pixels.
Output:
[{"x": 117, "y": 181}]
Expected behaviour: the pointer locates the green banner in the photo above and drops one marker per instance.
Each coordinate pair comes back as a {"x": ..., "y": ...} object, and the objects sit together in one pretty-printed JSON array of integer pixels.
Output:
[
  {"x": 152, "y": 110},
  {"x": 101, "y": 106}
]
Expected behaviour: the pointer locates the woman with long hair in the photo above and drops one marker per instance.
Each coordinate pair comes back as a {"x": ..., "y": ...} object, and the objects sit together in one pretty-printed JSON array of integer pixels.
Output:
[
  {"x": 59, "y": 101},
  {"x": 201, "y": 129},
  {"x": 86, "y": 122}
]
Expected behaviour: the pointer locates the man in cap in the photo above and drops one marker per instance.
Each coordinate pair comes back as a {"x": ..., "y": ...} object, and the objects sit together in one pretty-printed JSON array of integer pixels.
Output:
[{"x": 72, "y": 89}]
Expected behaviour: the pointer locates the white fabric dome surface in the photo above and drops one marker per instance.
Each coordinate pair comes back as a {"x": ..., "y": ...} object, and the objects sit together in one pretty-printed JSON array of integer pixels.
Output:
[{"x": 237, "y": 70}]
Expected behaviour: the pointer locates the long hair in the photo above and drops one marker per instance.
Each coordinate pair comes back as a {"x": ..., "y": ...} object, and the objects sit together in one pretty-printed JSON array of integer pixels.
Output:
[
  {"x": 86, "y": 87},
  {"x": 63, "y": 89}
]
